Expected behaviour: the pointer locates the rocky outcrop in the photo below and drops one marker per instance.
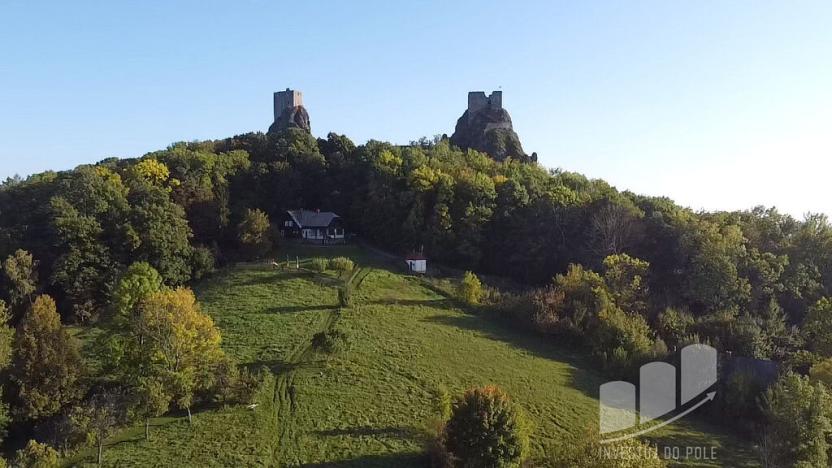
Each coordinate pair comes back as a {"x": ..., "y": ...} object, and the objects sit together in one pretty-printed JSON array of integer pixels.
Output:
[
  {"x": 489, "y": 130},
  {"x": 292, "y": 117}
]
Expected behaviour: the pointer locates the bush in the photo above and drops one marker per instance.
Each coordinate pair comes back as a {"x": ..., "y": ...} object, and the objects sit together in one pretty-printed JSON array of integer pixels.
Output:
[
  {"x": 486, "y": 430},
  {"x": 588, "y": 452},
  {"x": 345, "y": 295},
  {"x": 341, "y": 264},
  {"x": 470, "y": 288},
  {"x": 36, "y": 455},
  {"x": 202, "y": 262},
  {"x": 331, "y": 342},
  {"x": 319, "y": 264}
]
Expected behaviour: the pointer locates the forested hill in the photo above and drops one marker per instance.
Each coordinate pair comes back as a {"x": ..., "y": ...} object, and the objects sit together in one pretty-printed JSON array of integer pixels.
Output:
[
  {"x": 179, "y": 209},
  {"x": 629, "y": 277}
]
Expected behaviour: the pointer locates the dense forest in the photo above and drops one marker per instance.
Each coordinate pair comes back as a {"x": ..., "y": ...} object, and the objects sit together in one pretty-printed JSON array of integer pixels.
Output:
[{"x": 630, "y": 277}]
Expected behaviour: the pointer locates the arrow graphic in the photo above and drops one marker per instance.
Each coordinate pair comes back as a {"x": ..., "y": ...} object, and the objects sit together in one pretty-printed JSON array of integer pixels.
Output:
[{"x": 708, "y": 397}]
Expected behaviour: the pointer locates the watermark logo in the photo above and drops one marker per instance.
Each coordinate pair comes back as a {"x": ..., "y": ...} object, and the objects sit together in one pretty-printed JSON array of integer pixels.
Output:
[{"x": 657, "y": 395}]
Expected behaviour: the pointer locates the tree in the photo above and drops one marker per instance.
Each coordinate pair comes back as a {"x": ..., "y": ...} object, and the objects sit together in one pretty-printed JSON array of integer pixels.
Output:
[
  {"x": 253, "y": 233},
  {"x": 822, "y": 372},
  {"x": 470, "y": 288},
  {"x": 799, "y": 425},
  {"x": 152, "y": 171},
  {"x": 180, "y": 346},
  {"x": 6, "y": 341},
  {"x": 20, "y": 269},
  {"x": 138, "y": 282},
  {"x": 97, "y": 418},
  {"x": 47, "y": 363},
  {"x": 36, "y": 455},
  {"x": 626, "y": 279},
  {"x": 486, "y": 430},
  {"x": 817, "y": 327},
  {"x": 151, "y": 399},
  {"x": 163, "y": 233}
]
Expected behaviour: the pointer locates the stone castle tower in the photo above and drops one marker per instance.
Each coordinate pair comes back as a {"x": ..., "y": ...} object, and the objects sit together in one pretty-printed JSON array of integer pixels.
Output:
[
  {"x": 288, "y": 99},
  {"x": 485, "y": 126},
  {"x": 289, "y": 112},
  {"x": 477, "y": 101}
]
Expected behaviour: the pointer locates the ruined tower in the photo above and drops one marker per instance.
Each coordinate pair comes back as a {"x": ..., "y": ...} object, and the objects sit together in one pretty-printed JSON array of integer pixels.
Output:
[
  {"x": 289, "y": 111},
  {"x": 477, "y": 101},
  {"x": 485, "y": 126}
]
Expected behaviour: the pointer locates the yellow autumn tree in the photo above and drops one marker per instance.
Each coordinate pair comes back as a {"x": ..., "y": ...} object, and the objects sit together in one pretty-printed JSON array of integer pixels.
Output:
[
  {"x": 179, "y": 343},
  {"x": 153, "y": 171}
]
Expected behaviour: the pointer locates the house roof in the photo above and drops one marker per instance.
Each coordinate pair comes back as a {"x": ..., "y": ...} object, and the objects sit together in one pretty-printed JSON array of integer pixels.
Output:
[
  {"x": 415, "y": 257},
  {"x": 308, "y": 218}
]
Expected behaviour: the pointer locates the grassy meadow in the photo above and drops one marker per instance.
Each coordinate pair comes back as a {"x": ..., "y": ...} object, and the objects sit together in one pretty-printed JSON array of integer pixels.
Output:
[{"x": 371, "y": 405}]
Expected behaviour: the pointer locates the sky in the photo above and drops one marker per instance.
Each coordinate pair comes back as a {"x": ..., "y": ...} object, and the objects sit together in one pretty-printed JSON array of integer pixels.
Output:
[{"x": 719, "y": 105}]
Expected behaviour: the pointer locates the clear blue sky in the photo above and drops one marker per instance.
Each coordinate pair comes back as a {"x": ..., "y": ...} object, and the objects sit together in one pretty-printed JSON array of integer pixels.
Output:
[{"x": 719, "y": 105}]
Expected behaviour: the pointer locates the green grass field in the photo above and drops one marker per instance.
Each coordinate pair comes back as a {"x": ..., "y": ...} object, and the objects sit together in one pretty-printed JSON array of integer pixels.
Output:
[{"x": 370, "y": 406}]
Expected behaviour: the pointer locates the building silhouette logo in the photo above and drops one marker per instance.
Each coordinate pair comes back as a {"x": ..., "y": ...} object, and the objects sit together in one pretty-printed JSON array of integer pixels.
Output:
[{"x": 657, "y": 395}]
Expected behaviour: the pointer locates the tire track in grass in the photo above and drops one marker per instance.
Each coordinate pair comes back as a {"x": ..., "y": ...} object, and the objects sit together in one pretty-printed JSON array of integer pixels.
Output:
[{"x": 284, "y": 397}]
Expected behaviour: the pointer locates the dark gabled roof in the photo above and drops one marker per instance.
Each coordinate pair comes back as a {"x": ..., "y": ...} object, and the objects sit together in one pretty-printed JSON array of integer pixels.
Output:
[
  {"x": 415, "y": 256},
  {"x": 314, "y": 219}
]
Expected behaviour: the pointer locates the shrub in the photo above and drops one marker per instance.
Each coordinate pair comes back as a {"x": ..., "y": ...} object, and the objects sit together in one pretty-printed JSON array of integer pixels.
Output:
[
  {"x": 442, "y": 403},
  {"x": 319, "y": 264},
  {"x": 36, "y": 455},
  {"x": 331, "y": 342},
  {"x": 470, "y": 288},
  {"x": 345, "y": 295},
  {"x": 341, "y": 264},
  {"x": 202, "y": 262},
  {"x": 486, "y": 430},
  {"x": 588, "y": 452},
  {"x": 822, "y": 372}
]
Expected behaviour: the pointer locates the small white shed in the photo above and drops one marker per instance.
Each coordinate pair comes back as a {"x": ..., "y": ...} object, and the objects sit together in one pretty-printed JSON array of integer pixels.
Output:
[{"x": 417, "y": 263}]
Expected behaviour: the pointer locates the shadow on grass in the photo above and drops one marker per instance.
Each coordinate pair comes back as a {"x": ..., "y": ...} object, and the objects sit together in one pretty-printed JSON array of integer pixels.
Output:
[
  {"x": 415, "y": 302},
  {"x": 582, "y": 379},
  {"x": 299, "y": 308},
  {"x": 393, "y": 432},
  {"x": 398, "y": 460}
]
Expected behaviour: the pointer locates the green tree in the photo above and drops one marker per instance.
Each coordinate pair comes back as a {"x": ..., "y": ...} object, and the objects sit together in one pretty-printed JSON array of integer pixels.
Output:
[
  {"x": 36, "y": 455},
  {"x": 817, "y": 327},
  {"x": 47, "y": 363},
  {"x": 626, "y": 279},
  {"x": 470, "y": 288},
  {"x": 822, "y": 372},
  {"x": 253, "y": 233},
  {"x": 6, "y": 343},
  {"x": 97, "y": 418},
  {"x": 799, "y": 425},
  {"x": 163, "y": 233},
  {"x": 138, "y": 282},
  {"x": 486, "y": 430},
  {"x": 20, "y": 269},
  {"x": 151, "y": 399}
]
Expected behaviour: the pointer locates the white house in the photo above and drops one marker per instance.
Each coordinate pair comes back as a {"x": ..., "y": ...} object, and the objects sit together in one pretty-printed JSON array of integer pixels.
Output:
[{"x": 417, "y": 263}]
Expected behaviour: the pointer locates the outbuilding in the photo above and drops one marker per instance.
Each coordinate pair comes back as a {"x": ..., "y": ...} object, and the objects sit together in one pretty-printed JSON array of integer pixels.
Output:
[{"x": 417, "y": 263}]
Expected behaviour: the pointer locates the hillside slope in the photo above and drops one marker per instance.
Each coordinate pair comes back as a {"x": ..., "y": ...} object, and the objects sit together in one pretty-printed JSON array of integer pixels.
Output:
[{"x": 370, "y": 406}]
